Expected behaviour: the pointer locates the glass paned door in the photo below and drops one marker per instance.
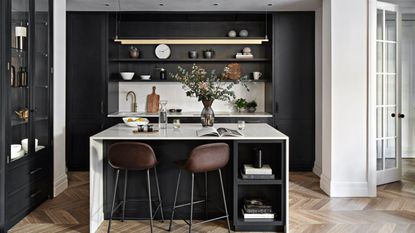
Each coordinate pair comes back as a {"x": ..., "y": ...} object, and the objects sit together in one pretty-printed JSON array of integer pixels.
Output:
[
  {"x": 388, "y": 159},
  {"x": 41, "y": 78},
  {"x": 19, "y": 78}
]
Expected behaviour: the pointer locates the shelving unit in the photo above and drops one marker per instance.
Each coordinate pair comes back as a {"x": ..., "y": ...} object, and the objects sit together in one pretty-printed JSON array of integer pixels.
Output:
[
  {"x": 272, "y": 191},
  {"x": 189, "y": 60}
]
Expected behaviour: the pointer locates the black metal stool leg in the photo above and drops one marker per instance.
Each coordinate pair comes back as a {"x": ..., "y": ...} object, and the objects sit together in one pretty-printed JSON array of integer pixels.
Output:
[
  {"x": 224, "y": 200},
  {"x": 191, "y": 203},
  {"x": 149, "y": 200},
  {"x": 206, "y": 195},
  {"x": 113, "y": 200},
  {"x": 175, "y": 198},
  {"x": 125, "y": 195},
  {"x": 158, "y": 193}
]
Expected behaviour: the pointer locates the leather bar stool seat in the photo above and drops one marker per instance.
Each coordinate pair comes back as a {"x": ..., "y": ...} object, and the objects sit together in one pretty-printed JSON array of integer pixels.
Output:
[
  {"x": 133, "y": 156},
  {"x": 203, "y": 159}
]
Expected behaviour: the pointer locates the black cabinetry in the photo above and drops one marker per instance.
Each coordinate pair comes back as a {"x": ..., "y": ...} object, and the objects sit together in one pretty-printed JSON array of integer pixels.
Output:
[
  {"x": 87, "y": 85},
  {"x": 294, "y": 84},
  {"x": 26, "y": 152}
]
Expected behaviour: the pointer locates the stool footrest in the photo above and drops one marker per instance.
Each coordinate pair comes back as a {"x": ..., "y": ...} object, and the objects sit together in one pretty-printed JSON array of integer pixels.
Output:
[{"x": 187, "y": 204}]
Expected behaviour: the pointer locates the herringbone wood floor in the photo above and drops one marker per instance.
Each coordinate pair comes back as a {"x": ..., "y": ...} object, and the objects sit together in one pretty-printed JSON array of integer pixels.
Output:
[{"x": 310, "y": 210}]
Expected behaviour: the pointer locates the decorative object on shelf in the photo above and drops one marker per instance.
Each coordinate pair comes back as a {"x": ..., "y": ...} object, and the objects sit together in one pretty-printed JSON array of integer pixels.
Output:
[
  {"x": 176, "y": 123},
  {"x": 127, "y": 75},
  {"x": 240, "y": 104},
  {"x": 13, "y": 79},
  {"x": 145, "y": 77},
  {"x": 23, "y": 114},
  {"x": 134, "y": 52},
  {"x": 246, "y": 54},
  {"x": 163, "y": 74},
  {"x": 21, "y": 37},
  {"x": 153, "y": 101},
  {"x": 257, "y": 210},
  {"x": 256, "y": 75},
  {"x": 193, "y": 54},
  {"x": 232, "y": 33},
  {"x": 206, "y": 88},
  {"x": 246, "y": 51},
  {"x": 251, "y": 106},
  {"x": 233, "y": 71},
  {"x": 135, "y": 121},
  {"x": 25, "y": 144},
  {"x": 208, "y": 53},
  {"x": 162, "y": 51},
  {"x": 163, "y": 114},
  {"x": 173, "y": 110},
  {"x": 243, "y": 33},
  {"x": 250, "y": 172},
  {"x": 22, "y": 77},
  {"x": 258, "y": 157}
]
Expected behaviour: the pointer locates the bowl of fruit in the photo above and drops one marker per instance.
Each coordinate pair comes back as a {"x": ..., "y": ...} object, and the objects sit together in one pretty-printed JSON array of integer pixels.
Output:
[{"x": 135, "y": 121}]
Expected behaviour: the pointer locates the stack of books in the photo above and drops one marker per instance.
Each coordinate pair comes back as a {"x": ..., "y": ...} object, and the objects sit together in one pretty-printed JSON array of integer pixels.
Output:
[
  {"x": 257, "y": 210},
  {"x": 244, "y": 56},
  {"x": 251, "y": 173}
]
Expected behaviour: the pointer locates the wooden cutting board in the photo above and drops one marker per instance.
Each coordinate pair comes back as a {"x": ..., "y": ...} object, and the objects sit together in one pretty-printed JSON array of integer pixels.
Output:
[{"x": 153, "y": 101}]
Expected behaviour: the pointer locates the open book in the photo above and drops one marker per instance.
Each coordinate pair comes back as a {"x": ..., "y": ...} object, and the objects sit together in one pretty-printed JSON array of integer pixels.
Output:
[{"x": 220, "y": 132}]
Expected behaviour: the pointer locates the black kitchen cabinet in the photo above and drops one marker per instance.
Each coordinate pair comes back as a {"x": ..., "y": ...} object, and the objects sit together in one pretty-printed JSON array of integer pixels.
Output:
[
  {"x": 26, "y": 151},
  {"x": 294, "y": 84},
  {"x": 86, "y": 84}
]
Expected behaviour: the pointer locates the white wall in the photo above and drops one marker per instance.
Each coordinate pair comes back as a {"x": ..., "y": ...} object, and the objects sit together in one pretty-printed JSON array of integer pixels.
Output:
[
  {"x": 176, "y": 96},
  {"x": 345, "y": 92},
  {"x": 319, "y": 94},
  {"x": 59, "y": 44}
]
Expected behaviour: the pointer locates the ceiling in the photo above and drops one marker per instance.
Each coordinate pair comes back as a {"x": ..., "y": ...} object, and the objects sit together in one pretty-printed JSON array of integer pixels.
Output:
[{"x": 192, "y": 5}]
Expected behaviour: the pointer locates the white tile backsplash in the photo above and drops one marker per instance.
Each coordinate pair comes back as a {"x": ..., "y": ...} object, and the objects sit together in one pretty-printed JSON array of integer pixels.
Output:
[{"x": 176, "y": 96}]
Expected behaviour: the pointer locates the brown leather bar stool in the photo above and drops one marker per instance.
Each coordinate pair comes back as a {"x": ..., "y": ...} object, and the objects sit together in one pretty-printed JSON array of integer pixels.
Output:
[
  {"x": 134, "y": 156},
  {"x": 203, "y": 159}
]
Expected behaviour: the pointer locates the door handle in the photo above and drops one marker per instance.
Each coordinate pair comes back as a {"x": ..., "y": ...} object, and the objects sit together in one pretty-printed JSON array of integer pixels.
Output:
[
  {"x": 393, "y": 115},
  {"x": 400, "y": 115}
]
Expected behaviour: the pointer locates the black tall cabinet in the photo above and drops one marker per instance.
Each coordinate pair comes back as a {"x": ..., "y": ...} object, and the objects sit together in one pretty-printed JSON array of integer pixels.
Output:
[
  {"x": 86, "y": 84},
  {"x": 26, "y": 153},
  {"x": 294, "y": 84}
]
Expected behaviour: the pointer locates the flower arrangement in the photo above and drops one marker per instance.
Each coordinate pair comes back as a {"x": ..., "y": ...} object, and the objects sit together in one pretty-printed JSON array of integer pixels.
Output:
[{"x": 206, "y": 87}]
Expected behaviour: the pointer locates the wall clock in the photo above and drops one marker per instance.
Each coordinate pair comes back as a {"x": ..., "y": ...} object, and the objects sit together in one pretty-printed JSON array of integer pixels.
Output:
[{"x": 162, "y": 51}]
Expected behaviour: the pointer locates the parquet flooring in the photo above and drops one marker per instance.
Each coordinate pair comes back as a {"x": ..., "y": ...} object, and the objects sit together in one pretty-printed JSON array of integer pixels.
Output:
[{"x": 393, "y": 211}]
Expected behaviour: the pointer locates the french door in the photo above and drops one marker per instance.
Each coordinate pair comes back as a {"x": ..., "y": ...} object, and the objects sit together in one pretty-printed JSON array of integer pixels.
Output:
[{"x": 388, "y": 131}]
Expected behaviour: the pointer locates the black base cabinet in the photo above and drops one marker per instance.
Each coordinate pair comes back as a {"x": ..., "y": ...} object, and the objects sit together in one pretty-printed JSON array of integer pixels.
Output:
[{"x": 26, "y": 122}]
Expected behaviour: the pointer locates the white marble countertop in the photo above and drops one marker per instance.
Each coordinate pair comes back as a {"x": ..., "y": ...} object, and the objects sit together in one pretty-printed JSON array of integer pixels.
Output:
[
  {"x": 190, "y": 114},
  {"x": 252, "y": 131}
]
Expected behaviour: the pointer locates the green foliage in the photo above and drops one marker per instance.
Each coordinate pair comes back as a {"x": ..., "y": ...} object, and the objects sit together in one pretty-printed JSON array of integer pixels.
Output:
[
  {"x": 241, "y": 103},
  {"x": 252, "y": 104}
]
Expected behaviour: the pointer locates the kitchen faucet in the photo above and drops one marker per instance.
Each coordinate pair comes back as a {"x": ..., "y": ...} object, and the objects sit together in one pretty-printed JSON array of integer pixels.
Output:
[{"x": 134, "y": 103}]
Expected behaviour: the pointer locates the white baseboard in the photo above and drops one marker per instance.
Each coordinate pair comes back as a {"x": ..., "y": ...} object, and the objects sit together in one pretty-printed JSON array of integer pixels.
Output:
[
  {"x": 344, "y": 189},
  {"x": 317, "y": 170},
  {"x": 60, "y": 184}
]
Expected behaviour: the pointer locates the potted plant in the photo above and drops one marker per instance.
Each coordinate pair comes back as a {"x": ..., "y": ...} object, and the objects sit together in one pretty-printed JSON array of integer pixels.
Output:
[
  {"x": 241, "y": 104},
  {"x": 251, "y": 106}
]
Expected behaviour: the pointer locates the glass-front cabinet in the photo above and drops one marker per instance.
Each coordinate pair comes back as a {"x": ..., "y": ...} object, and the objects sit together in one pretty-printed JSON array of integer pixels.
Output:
[
  {"x": 26, "y": 153},
  {"x": 30, "y": 75}
]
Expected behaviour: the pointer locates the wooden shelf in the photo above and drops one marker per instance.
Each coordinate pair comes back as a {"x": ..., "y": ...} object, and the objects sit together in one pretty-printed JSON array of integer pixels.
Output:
[
  {"x": 242, "y": 222},
  {"x": 185, "y": 41},
  {"x": 188, "y": 60}
]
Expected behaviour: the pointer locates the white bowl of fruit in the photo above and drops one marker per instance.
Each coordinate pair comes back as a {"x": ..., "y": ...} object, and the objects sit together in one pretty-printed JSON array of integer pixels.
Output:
[{"x": 135, "y": 121}]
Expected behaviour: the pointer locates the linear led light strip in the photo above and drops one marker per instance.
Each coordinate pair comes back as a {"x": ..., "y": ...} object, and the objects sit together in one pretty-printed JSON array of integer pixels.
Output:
[{"x": 190, "y": 41}]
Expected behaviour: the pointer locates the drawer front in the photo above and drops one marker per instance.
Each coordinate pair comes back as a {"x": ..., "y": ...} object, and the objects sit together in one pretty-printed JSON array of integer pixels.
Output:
[
  {"x": 21, "y": 203},
  {"x": 28, "y": 172}
]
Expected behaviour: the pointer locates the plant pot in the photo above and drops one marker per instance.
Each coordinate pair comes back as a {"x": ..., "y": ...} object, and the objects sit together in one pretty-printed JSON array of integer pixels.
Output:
[
  {"x": 241, "y": 109},
  {"x": 207, "y": 117},
  {"x": 251, "y": 109}
]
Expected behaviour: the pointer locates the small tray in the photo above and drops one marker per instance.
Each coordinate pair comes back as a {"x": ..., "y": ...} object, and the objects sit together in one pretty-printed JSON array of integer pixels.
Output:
[{"x": 145, "y": 132}]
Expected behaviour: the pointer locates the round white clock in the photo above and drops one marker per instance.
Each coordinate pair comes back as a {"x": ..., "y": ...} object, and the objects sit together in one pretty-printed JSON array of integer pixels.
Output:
[{"x": 162, "y": 51}]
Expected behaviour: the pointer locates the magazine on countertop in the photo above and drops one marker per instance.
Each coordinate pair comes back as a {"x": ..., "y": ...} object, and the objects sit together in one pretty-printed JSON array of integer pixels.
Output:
[{"x": 220, "y": 132}]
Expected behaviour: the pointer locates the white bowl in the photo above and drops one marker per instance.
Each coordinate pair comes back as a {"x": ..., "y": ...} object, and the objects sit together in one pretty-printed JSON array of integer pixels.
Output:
[
  {"x": 127, "y": 75},
  {"x": 132, "y": 121},
  {"x": 14, "y": 148},
  {"x": 25, "y": 144},
  {"x": 145, "y": 77}
]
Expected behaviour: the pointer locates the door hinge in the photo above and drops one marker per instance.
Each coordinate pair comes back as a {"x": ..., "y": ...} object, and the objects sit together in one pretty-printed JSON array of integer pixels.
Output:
[
  {"x": 8, "y": 65},
  {"x": 51, "y": 70}
]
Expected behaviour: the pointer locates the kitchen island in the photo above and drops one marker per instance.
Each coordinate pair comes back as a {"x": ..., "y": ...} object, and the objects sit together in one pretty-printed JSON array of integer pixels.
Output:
[{"x": 175, "y": 144}]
